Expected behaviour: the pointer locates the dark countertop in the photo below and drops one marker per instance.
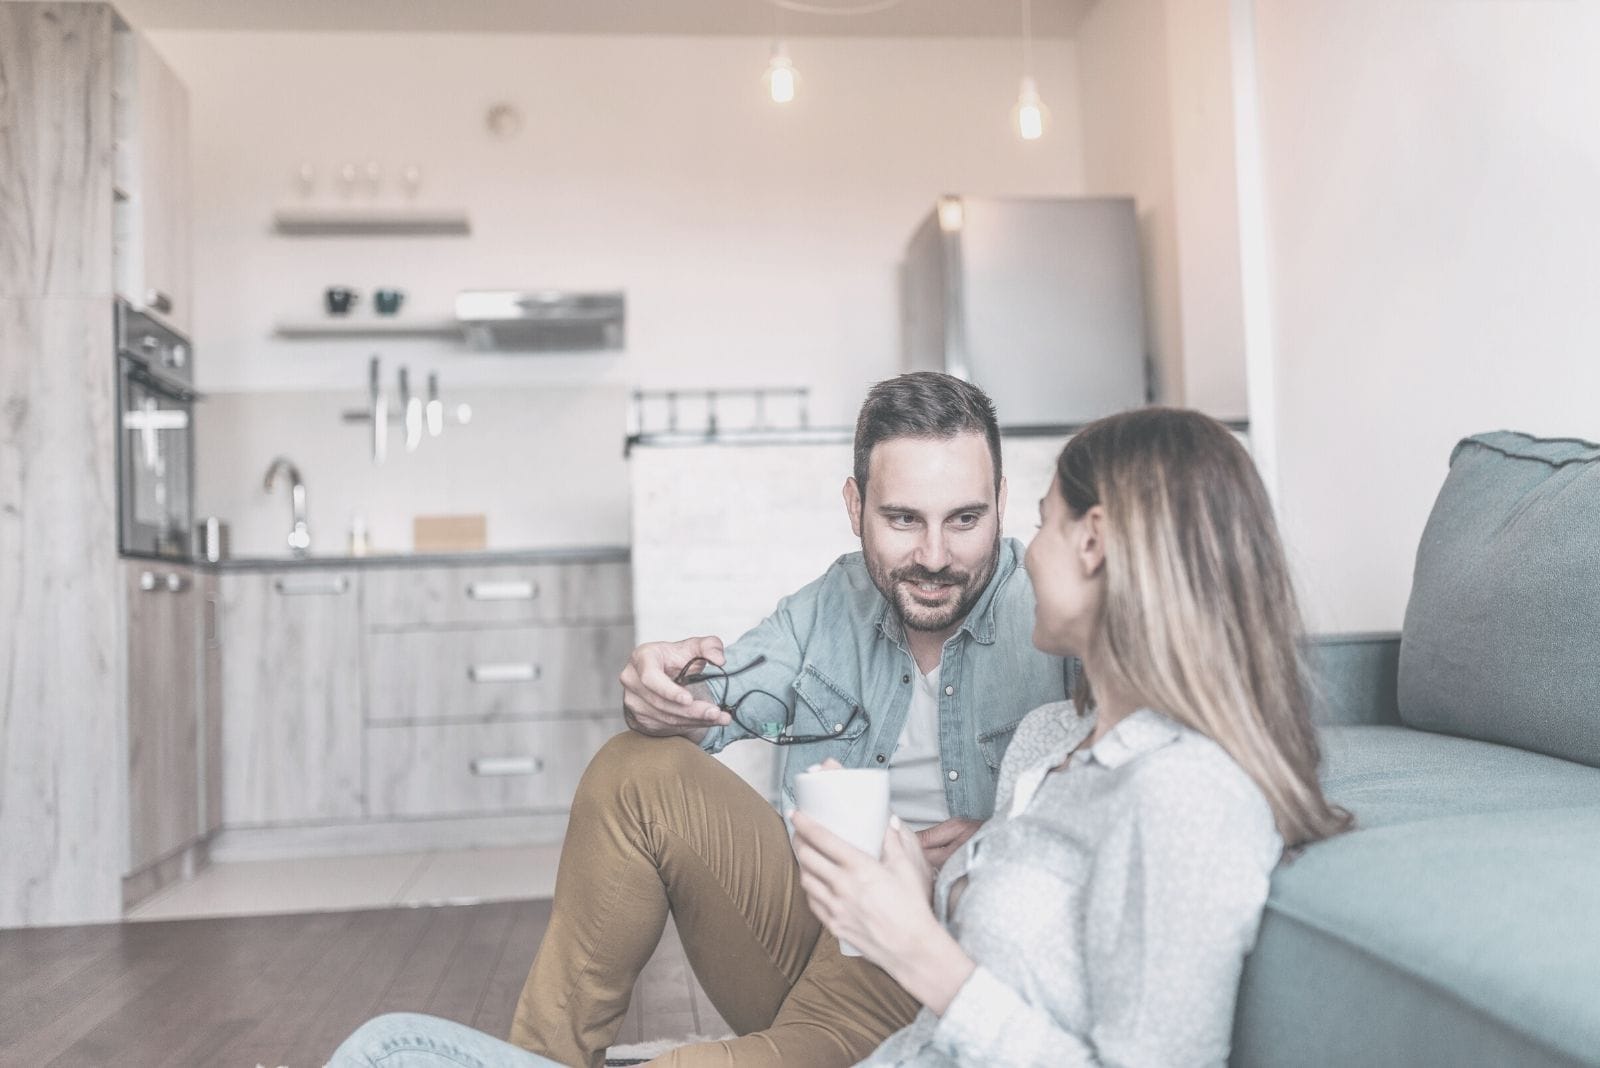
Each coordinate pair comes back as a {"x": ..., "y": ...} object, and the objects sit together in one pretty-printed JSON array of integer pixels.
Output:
[{"x": 577, "y": 554}]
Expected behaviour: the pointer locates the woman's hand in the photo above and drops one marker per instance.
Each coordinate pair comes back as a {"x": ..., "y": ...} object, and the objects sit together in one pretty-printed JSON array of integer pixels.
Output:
[{"x": 882, "y": 907}]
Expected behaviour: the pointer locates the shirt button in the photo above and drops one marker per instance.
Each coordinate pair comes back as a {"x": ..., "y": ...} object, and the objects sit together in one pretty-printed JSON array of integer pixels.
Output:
[
  {"x": 949, "y": 691},
  {"x": 880, "y": 758},
  {"x": 954, "y": 775},
  {"x": 838, "y": 728},
  {"x": 905, "y": 678}
]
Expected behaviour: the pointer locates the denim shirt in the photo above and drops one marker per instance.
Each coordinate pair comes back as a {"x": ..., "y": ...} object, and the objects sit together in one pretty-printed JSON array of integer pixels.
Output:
[{"x": 837, "y": 644}]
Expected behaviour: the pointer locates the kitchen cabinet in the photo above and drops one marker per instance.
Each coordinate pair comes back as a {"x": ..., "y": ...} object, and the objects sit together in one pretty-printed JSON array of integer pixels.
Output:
[
  {"x": 291, "y": 745},
  {"x": 382, "y": 694},
  {"x": 211, "y": 654},
  {"x": 164, "y": 755},
  {"x": 455, "y": 769},
  {"x": 489, "y": 689},
  {"x": 508, "y": 594},
  {"x": 494, "y": 673},
  {"x": 152, "y": 184}
]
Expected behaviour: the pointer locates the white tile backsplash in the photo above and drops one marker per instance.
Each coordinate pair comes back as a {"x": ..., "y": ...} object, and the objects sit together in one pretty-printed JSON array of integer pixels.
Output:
[{"x": 544, "y": 465}]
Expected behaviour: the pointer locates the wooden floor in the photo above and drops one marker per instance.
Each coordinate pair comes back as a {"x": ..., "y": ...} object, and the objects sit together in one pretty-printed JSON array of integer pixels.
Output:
[{"x": 285, "y": 990}]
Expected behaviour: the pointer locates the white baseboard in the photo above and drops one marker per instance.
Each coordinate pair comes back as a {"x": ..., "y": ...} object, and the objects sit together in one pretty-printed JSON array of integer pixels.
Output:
[{"x": 386, "y": 836}]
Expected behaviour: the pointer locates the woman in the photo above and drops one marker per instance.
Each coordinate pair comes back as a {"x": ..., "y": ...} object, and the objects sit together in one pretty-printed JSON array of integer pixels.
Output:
[{"x": 1103, "y": 915}]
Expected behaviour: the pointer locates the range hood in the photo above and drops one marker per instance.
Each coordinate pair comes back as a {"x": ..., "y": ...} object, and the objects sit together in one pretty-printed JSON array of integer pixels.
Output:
[{"x": 534, "y": 321}]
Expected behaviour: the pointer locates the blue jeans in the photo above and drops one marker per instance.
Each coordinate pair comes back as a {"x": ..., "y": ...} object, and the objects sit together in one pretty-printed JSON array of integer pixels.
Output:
[{"x": 413, "y": 1040}]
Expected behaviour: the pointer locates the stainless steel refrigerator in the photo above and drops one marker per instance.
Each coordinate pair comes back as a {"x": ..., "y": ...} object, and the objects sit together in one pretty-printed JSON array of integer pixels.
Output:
[{"x": 1040, "y": 301}]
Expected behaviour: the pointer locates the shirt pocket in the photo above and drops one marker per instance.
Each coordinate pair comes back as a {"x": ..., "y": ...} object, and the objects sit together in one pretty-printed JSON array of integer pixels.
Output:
[
  {"x": 992, "y": 743},
  {"x": 824, "y": 707}
]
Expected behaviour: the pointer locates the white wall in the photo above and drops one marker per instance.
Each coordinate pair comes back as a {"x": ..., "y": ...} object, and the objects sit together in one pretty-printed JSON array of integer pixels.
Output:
[
  {"x": 1127, "y": 151},
  {"x": 1206, "y": 188},
  {"x": 758, "y": 244},
  {"x": 1155, "y": 78},
  {"x": 1430, "y": 180}
]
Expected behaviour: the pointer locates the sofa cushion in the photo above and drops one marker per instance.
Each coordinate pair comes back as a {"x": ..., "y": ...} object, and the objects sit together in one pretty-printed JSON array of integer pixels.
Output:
[
  {"x": 1502, "y": 632},
  {"x": 1389, "y": 775},
  {"x": 1465, "y": 940}
]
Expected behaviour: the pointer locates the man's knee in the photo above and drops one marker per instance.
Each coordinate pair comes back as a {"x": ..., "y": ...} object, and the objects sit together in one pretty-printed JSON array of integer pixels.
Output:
[{"x": 631, "y": 761}]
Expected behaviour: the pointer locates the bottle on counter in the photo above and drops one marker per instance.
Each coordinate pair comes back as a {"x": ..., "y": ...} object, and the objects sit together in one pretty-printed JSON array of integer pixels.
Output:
[{"x": 358, "y": 536}]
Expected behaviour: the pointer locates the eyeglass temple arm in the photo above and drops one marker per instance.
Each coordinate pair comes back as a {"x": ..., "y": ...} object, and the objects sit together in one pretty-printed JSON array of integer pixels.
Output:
[{"x": 720, "y": 673}]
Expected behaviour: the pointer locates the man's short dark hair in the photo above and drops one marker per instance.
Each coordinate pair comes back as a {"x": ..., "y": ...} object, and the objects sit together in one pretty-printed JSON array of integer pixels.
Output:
[{"x": 923, "y": 404}]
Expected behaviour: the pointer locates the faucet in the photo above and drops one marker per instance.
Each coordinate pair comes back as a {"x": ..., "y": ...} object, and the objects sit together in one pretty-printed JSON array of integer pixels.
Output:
[{"x": 299, "y": 535}]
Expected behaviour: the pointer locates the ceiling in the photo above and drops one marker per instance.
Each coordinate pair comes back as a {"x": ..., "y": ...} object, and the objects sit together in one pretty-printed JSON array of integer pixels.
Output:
[{"x": 910, "y": 18}]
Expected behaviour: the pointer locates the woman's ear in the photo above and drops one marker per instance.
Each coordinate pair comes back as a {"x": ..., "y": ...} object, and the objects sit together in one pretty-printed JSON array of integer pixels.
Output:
[{"x": 1092, "y": 541}]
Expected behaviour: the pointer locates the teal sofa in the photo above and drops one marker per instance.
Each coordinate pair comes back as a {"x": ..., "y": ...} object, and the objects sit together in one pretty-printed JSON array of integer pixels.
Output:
[{"x": 1459, "y": 924}]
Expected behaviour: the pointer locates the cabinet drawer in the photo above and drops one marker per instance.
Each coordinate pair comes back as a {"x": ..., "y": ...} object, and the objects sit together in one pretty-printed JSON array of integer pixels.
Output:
[
  {"x": 523, "y": 593},
  {"x": 456, "y": 769},
  {"x": 500, "y": 673}
]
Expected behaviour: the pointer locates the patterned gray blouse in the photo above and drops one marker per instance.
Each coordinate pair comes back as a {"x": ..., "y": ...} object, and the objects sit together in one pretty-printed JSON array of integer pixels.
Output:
[{"x": 1109, "y": 906}]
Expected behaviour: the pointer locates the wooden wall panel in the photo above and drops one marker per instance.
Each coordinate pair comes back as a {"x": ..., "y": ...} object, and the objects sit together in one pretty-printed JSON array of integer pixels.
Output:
[
  {"x": 55, "y": 149},
  {"x": 63, "y": 808}
]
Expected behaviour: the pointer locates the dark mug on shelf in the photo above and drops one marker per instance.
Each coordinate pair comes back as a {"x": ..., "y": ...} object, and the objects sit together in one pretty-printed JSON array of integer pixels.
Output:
[
  {"x": 339, "y": 299},
  {"x": 387, "y": 301}
]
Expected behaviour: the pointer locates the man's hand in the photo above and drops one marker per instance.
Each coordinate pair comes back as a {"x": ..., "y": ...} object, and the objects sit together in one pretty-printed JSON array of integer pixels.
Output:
[
  {"x": 653, "y": 704},
  {"x": 943, "y": 839}
]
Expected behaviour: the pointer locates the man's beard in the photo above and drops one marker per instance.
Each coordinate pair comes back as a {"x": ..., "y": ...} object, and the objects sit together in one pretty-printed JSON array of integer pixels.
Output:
[{"x": 914, "y": 615}]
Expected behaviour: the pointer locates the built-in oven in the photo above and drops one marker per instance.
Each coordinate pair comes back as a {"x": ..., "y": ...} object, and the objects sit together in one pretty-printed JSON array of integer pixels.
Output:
[{"x": 155, "y": 437}]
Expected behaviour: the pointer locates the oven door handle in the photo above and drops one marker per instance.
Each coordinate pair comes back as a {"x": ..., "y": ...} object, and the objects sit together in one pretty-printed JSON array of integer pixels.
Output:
[
  {"x": 147, "y": 436},
  {"x": 149, "y": 419}
]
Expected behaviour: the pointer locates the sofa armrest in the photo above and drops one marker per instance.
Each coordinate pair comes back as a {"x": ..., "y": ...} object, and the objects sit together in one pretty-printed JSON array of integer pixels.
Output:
[{"x": 1354, "y": 677}]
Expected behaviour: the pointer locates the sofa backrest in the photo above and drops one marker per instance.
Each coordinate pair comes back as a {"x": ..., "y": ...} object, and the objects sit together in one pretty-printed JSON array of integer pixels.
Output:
[{"x": 1502, "y": 632}]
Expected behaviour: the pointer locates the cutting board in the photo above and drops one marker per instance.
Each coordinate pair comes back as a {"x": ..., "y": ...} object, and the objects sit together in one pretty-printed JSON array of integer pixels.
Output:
[{"x": 449, "y": 533}]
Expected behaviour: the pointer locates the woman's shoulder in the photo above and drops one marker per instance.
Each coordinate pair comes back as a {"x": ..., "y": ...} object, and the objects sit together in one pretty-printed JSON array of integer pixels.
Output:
[
  {"x": 1042, "y": 731},
  {"x": 1195, "y": 776},
  {"x": 1049, "y": 725}
]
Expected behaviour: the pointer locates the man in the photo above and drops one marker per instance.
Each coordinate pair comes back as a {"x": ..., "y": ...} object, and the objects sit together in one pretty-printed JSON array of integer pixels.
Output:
[{"x": 913, "y": 655}]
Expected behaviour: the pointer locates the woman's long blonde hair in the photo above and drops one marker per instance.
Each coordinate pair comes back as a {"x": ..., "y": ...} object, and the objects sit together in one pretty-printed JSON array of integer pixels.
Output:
[{"x": 1199, "y": 619}]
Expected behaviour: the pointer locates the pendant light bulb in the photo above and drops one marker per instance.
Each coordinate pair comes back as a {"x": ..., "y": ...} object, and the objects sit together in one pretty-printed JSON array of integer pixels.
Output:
[
  {"x": 781, "y": 76},
  {"x": 1030, "y": 115}
]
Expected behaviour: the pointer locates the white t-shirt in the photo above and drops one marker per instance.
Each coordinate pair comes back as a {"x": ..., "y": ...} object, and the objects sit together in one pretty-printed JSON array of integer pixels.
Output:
[{"x": 916, "y": 780}]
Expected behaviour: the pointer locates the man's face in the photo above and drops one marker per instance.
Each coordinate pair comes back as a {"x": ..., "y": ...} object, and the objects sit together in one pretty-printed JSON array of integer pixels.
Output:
[{"x": 930, "y": 527}]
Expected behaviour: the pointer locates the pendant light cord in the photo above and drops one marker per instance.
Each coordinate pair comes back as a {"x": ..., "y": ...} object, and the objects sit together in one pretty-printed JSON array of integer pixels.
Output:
[{"x": 1027, "y": 36}]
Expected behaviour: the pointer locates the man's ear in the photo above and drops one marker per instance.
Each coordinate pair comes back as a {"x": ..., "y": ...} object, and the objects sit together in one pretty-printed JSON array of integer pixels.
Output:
[
  {"x": 1000, "y": 503},
  {"x": 1092, "y": 541},
  {"x": 852, "y": 504}
]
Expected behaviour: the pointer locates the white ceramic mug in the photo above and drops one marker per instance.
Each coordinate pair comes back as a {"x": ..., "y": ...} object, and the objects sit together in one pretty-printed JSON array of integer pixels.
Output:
[{"x": 853, "y": 803}]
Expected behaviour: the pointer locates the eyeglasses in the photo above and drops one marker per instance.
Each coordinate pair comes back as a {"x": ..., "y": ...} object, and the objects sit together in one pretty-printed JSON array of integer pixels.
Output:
[{"x": 762, "y": 714}]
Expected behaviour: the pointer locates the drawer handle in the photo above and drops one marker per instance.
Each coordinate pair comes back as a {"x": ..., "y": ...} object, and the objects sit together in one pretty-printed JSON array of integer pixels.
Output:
[
  {"x": 502, "y": 591},
  {"x": 507, "y": 766},
  {"x": 503, "y": 672},
  {"x": 312, "y": 586}
]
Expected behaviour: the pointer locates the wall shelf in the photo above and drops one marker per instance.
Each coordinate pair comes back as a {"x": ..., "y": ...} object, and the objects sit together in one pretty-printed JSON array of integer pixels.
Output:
[
  {"x": 326, "y": 329},
  {"x": 371, "y": 222}
]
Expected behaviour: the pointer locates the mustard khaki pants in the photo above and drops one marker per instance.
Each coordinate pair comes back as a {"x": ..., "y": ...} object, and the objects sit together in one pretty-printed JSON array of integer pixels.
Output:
[{"x": 660, "y": 827}]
